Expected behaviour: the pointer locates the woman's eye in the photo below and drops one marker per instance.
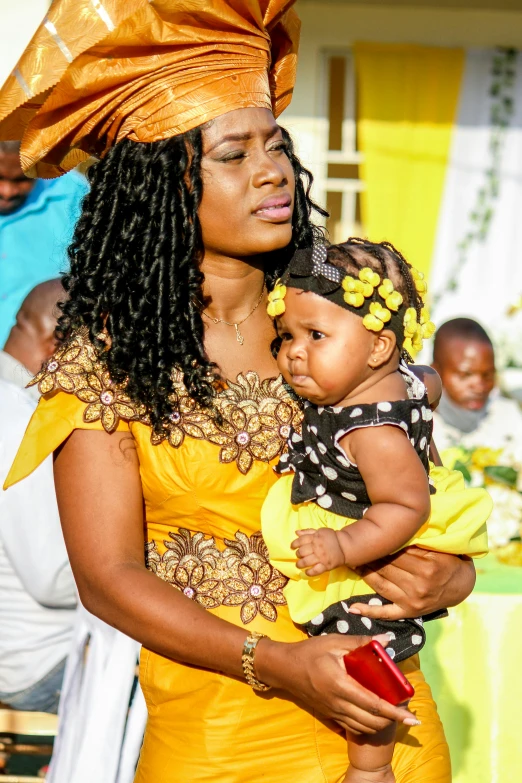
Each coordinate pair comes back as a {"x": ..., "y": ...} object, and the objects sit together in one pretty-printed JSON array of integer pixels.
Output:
[
  {"x": 232, "y": 156},
  {"x": 317, "y": 335},
  {"x": 281, "y": 146}
]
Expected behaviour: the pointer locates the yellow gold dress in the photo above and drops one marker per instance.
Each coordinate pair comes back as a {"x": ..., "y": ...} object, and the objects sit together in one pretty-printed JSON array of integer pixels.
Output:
[{"x": 204, "y": 485}]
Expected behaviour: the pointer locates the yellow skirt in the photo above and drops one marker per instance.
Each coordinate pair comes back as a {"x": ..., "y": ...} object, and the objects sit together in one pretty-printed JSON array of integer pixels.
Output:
[
  {"x": 457, "y": 525},
  {"x": 204, "y": 727}
]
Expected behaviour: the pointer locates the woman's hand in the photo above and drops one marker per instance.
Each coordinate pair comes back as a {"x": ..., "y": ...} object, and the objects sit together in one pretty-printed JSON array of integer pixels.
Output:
[
  {"x": 313, "y": 671},
  {"x": 418, "y": 582}
]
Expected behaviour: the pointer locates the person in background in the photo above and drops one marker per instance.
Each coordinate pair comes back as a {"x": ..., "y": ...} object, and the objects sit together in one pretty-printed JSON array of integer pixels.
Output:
[
  {"x": 31, "y": 339},
  {"x": 37, "y": 218},
  {"x": 37, "y": 589},
  {"x": 471, "y": 411}
]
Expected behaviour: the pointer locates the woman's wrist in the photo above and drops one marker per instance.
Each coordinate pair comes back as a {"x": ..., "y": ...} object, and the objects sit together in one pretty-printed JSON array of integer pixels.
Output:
[{"x": 271, "y": 662}]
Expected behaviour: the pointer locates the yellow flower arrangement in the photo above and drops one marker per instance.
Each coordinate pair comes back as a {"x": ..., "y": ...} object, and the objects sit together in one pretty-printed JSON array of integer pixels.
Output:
[
  {"x": 276, "y": 304},
  {"x": 498, "y": 471},
  {"x": 378, "y": 316},
  {"x": 482, "y": 457}
]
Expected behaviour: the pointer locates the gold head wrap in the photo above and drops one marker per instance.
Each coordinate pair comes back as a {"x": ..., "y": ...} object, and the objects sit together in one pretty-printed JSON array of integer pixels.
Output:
[{"x": 97, "y": 71}]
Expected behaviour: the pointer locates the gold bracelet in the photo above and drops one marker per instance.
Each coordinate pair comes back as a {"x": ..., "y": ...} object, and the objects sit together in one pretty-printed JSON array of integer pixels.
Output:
[{"x": 247, "y": 660}]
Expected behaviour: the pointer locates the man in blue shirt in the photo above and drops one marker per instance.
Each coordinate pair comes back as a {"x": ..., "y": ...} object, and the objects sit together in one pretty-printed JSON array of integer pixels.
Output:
[{"x": 37, "y": 219}]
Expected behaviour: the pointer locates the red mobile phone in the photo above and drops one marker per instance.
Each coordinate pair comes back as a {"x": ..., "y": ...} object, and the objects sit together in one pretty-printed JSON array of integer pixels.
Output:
[{"x": 373, "y": 668}]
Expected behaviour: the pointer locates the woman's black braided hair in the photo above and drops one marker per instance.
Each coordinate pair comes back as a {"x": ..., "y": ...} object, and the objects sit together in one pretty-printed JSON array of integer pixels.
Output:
[{"x": 134, "y": 267}]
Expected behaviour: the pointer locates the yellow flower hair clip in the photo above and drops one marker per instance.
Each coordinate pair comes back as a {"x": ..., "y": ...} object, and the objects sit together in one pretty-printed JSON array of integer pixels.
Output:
[
  {"x": 415, "y": 330},
  {"x": 361, "y": 288},
  {"x": 428, "y": 328},
  {"x": 369, "y": 279},
  {"x": 353, "y": 291},
  {"x": 376, "y": 319},
  {"x": 276, "y": 304},
  {"x": 393, "y": 299},
  {"x": 420, "y": 282}
]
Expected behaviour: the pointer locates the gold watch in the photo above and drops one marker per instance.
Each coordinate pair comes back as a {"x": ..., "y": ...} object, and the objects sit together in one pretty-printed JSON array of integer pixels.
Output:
[{"x": 247, "y": 659}]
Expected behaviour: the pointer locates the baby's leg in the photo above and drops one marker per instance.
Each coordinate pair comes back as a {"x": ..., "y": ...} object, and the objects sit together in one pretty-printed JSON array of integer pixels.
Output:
[{"x": 370, "y": 757}]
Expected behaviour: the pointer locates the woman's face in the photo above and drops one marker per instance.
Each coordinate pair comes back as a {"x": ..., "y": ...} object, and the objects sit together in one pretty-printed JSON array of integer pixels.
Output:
[{"x": 248, "y": 185}]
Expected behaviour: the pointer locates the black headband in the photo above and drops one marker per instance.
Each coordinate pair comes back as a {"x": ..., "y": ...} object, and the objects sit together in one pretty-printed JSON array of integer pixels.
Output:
[{"x": 309, "y": 270}]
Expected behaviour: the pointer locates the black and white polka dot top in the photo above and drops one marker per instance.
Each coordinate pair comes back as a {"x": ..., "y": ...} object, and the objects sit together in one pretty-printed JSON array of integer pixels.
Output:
[{"x": 324, "y": 474}]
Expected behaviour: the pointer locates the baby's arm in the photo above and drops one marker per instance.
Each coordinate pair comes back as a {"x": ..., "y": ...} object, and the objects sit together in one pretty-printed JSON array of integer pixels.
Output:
[{"x": 398, "y": 487}]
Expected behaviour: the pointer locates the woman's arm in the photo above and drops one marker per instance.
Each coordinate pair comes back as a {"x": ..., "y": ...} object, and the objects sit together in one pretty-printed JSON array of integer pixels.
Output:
[
  {"x": 418, "y": 582},
  {"x": 101, "y": 507}
]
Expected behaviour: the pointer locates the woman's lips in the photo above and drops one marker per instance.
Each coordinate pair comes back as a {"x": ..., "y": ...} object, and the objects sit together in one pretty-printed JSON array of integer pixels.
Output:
[{"x": 275, "y": 209}]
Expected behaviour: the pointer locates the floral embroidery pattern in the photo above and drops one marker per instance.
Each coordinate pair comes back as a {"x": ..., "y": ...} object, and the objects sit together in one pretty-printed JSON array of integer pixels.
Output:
[
  {"x": 250, "y": 419},
  {"x": 240, "y": 575},
  {"x": 76, "y": 368}
]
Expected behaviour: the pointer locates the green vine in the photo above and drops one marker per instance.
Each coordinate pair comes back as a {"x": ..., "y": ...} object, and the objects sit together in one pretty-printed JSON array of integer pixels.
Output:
[{"x": 503, "y": 76}]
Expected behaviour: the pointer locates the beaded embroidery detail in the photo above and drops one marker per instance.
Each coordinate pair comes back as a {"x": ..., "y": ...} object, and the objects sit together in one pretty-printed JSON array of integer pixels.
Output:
[
  {"x": 240, "y": 575},
  {"x": 250, "y": 419},
  {"x": 76, "y": 368}
]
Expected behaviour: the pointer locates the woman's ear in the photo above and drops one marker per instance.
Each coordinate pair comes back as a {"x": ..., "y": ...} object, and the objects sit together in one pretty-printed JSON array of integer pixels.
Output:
[{"x": 384, "y": 346}]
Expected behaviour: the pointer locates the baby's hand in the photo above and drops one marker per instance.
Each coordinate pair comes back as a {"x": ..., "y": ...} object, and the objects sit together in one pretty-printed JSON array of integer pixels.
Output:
[{"x": 318, "y": 551}]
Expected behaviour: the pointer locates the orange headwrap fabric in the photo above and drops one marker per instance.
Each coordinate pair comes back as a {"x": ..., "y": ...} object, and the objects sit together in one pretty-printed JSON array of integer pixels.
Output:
[{"x": 97, "y": 71}]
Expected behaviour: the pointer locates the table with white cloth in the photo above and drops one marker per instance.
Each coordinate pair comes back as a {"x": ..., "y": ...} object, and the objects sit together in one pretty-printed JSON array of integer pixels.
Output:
[{"x": 473, "y": 662}]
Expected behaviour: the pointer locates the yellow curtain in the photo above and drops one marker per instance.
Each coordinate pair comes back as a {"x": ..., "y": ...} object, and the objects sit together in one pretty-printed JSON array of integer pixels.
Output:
[{"x": 407, "y": 106}]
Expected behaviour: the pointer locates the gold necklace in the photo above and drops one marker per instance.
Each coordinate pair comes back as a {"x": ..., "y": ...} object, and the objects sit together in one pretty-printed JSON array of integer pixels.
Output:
[{"x": 237, "y": 324}]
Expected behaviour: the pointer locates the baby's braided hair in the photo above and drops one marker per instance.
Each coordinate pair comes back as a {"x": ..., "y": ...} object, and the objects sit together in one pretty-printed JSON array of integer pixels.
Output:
[{"x": 356, "y": 253}]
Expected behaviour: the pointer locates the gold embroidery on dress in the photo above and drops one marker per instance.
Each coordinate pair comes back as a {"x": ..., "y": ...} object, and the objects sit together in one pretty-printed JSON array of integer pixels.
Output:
[
  {"x": 250, "y": 419},
  {"x": 76, "y": 368},
  {"x": 240, "y": 575}
]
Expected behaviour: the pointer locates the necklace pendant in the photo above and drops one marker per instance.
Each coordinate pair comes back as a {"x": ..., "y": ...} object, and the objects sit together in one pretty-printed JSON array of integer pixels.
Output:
[{"x": 239, "y": 336}]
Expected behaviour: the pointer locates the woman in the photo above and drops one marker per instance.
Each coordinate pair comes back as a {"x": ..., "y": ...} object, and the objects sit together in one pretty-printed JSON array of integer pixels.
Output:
[{"x": 170, "y": 264}]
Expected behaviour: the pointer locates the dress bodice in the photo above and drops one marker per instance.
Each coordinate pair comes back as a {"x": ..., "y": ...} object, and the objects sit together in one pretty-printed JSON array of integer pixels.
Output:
[{"x": 204, "y": 481}]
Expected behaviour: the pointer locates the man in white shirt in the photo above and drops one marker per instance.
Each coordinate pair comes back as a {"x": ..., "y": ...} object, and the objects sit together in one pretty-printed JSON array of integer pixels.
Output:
[
  {"x": 471, "y": 411},
  {"x": 37, "y": 590}
]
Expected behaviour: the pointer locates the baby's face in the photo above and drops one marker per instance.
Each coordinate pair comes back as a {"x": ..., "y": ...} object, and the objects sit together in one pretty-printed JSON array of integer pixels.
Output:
[{"x": 325, "y": 350}]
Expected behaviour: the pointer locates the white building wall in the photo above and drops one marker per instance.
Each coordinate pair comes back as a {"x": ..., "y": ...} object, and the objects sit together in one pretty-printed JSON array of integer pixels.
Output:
[
  {"x": 18, "y": 22},
  {"x": 334, "y": 25}
]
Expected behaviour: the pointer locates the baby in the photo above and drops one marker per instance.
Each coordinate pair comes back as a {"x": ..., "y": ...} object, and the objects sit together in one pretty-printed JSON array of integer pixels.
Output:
[{"x": 357, "y": 484}]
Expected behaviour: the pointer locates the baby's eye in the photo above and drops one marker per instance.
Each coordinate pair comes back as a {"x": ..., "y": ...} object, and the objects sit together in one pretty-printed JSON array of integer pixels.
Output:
[
  {"x": 285, "y": 336},
  {"x": 316, "y": 335}
]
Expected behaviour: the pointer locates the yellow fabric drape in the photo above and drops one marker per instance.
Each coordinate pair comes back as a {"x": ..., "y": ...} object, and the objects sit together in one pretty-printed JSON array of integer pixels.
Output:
[{"x": 407, "y": 105}]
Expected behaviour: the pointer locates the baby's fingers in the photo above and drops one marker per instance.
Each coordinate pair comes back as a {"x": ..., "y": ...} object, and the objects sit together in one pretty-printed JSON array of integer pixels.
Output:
[
  {"x": 316, "y": 570},
  {"x": 304, "y": 537},
  {"x": 307, "y": 562}
]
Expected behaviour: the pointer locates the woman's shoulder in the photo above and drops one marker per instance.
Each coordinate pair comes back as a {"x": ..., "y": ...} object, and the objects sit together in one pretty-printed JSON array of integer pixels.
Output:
[
  {"x": 78, "y": 369},
  {"x": 77, "y": 393}
]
